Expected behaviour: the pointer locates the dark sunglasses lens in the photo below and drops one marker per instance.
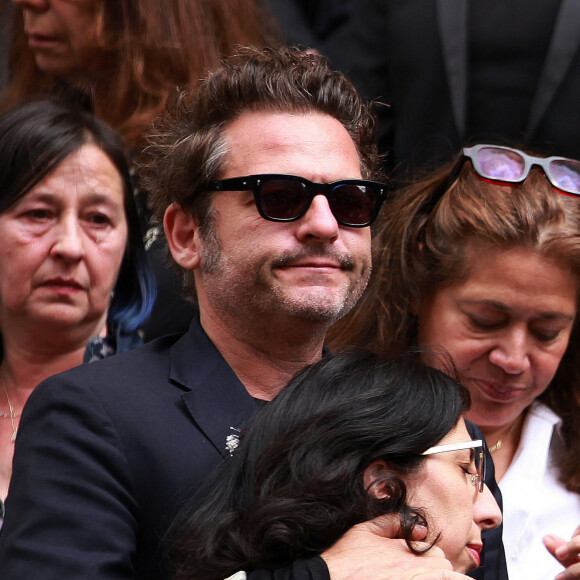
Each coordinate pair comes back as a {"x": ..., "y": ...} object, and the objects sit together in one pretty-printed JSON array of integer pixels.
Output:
[
  {"x": 501, "y": 164},
  {"x": 565, "y": 175},
  {"x": 283, "y": 199},
  {"x": 354, "y": 204}
]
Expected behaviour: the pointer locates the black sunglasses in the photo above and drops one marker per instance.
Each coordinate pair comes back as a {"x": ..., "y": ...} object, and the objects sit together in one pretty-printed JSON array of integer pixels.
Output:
[{"x": 354, "y": 203}]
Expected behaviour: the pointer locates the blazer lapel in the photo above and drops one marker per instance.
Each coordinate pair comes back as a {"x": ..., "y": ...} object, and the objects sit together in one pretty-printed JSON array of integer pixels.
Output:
[
  {"x": 452, "y": 22},
  {"x": 563, "y": 47},
  {"x": 215, "y": 398}
]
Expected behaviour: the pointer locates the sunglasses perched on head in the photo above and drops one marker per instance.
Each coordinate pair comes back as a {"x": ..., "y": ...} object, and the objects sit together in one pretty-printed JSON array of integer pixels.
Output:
[
  {"x": 477, "y": 445},
  {"x": 506, "y": 165},
  {"x": 354, "y": 203}
]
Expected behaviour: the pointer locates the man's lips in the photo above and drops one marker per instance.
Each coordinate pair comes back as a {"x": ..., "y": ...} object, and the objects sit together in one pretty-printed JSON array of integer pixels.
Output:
[
  {"x": 498, "y": 392},
  {"x": 475, "y": 550},
  {"x": 313, "y": 263},
  {"x": 312, "y": 272},
  {"x": 317, "y": 264}
]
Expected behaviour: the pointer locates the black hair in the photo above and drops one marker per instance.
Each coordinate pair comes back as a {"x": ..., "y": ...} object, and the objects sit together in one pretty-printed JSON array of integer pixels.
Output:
[
  {"x": 34, "y": 139},
  {"x": 296, "y": 485}
]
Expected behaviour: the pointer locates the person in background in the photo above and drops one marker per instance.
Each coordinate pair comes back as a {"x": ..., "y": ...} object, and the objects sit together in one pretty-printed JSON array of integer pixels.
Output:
[
  {"x": 350, "y": 440},
  {"x": 5, "y": 17},
  {"x": 458, "y": 72},
  {"x": 74, "y": 282},
  {"x": 308, "y": 24},
  {"x": 482, "y": 259},
  {"x": 127, "y": 57}
]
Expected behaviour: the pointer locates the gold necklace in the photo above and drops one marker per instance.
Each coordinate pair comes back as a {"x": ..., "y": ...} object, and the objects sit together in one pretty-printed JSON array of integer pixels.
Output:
[
  {"x": 499, "y": 443},
  {"x": 13, "y": 415}
]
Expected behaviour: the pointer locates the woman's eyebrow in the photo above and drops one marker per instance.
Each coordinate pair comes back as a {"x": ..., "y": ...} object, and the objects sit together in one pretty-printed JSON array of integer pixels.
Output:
[{"x": 503, "y": 308}]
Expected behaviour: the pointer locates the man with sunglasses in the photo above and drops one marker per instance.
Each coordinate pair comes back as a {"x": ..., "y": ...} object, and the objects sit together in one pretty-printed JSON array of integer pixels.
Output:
[{"x": 266, "y": 178}]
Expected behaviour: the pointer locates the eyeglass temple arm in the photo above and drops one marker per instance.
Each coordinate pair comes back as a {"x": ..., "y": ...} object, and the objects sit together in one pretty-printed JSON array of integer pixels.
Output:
[{"x": 453, "y": 447}]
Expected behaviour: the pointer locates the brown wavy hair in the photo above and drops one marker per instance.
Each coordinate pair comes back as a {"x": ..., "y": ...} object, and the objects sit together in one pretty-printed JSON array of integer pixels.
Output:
[
  {"x": 149, "y": 47},
  {"x": 186, "y": 145},
  {"x": 424, "y": 243}
]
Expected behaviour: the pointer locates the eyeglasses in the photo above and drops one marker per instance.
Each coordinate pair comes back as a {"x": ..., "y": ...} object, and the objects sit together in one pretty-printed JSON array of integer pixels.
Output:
[
  {"x": 479, "y": 477},
  {"x": 354, "y": 203},
  {"x": 507, "y": 165}
]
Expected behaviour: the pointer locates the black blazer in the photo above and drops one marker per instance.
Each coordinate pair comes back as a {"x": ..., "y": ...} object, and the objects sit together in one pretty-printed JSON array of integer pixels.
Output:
[
  {"x": 106, "y": 455},
  {"x": 412, "y": 54}
]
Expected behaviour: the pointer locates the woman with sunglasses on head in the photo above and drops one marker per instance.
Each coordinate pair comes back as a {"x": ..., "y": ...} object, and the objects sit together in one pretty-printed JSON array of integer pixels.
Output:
[
  {"x": 482, "y": 258},
  {"x": 353, "y": 439},
  {"x": 74, "y": 282}
]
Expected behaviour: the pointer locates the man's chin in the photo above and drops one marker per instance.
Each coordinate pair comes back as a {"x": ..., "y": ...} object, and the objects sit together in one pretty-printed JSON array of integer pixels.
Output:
[{"x": 320, "y": 305}]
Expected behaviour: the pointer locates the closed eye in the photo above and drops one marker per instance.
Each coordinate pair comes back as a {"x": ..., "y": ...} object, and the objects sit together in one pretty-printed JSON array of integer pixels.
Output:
[
  {"x": 483, "y": 324},
  {"x": 546, "y": 336},
  {"x": 469, "y": 470}
]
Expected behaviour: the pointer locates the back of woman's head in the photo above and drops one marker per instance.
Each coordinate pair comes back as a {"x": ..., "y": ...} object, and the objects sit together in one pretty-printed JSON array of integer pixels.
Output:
[
  {"x": 350, "y": 400},
  {"x": 296, "y": 483},
  {"x": 34, "y": 139}
]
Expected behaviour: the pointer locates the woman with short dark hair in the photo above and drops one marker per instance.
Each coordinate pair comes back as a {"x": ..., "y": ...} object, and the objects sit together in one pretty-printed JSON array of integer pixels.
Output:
[
  {"x": 352, "y": 438},
  {"x": 126, "y": 57},
  {"x": 74, "y": 282}
]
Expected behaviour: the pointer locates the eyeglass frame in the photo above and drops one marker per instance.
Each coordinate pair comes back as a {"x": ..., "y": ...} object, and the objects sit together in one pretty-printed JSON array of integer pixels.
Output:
[
  {"x": 253, "y": 183},
  {"x": 471, "y": 152},
  {"x": 529, "y": 162},
  {"x": 478, "y": 479}
]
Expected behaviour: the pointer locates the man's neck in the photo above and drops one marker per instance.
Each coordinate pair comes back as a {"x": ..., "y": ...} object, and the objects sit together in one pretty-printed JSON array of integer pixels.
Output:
[{"x": 265, "y": 357}]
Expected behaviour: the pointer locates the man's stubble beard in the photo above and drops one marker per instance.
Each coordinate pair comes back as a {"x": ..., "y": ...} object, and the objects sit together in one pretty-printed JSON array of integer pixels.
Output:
[{"x": 239, "y": 291}]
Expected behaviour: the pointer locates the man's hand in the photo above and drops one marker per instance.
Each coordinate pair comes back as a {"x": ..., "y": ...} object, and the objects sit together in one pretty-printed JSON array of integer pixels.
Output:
[
  {"x": 567, "y": 553},
  {"x": 369, "y": 552}
]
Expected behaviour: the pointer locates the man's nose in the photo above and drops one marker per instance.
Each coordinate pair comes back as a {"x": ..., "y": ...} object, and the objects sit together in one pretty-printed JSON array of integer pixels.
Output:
[{"x": 318, "y": 223}]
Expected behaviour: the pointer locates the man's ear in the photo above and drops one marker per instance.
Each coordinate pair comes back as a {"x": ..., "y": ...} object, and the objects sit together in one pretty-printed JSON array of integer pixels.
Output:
[
  {"x": 183, "y": 238},
  {"x": 372, "y": 479}
]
